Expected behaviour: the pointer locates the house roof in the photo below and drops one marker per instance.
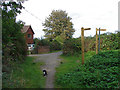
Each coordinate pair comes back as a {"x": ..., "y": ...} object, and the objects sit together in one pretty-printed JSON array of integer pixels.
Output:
[{"x": 25, "y": 28}]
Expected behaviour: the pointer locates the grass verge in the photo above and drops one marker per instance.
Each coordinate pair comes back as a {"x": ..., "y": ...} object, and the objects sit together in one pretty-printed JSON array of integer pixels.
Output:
[
  {"x": 25, "y": 75},
  {"x": 69, "y": 63}
]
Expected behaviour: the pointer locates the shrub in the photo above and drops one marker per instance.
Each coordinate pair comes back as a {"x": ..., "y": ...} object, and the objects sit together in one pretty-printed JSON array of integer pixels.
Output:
[
  {"x": 55, "y": 45},
  {"x": 72, "y": 46},
  {"x": 110, "y": 42},
  {"x": 43, "y": 42}
]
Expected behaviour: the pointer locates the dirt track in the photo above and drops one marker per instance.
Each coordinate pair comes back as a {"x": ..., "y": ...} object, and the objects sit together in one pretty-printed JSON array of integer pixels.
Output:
[{"x": 51, "y": 61}]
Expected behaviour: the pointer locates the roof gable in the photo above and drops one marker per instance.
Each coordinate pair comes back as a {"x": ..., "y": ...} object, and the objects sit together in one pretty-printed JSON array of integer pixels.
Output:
[{"x": 26, "y": 28}]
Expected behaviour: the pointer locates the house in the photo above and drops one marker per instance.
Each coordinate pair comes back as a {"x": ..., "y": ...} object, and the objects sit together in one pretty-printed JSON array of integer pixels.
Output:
[{"x": 29, "y": 34}]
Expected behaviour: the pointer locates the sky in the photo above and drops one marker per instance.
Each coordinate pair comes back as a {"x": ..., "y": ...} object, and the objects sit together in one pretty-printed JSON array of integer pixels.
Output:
[{"x": 84, "y": 13}]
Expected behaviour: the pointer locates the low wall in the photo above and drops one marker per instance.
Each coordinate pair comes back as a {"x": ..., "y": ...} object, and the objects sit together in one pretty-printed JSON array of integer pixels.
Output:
[{"x": 43, "y": 49}]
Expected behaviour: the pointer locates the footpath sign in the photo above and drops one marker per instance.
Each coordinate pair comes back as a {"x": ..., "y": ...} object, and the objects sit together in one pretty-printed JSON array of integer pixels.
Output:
[
  {"x": 82, "y": 41},
  {"x": 98, "y": 49}
]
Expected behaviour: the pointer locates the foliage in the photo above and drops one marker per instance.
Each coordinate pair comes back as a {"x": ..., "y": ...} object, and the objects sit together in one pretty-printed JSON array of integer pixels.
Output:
[
  {"x": 107, "y": 42},
  {"x": 14, "y": 45},
  {"x": 90, "y": 44},
  {"x": 72, "y": 46},
  {"x": 36, "y": 41},
  {"x": 110, "y": 42},
  {"x": 43, "y": 42},
  {"x": 24, "y": 75},
  {"x": 60, "y": 39},
  {"x": 58, "y": 23},
  {"x": 100, "y": 71},
  {"x": 69, "y": 63},
  {"x": 14, "y": 48},
  {"x": 55, "y": 45}
]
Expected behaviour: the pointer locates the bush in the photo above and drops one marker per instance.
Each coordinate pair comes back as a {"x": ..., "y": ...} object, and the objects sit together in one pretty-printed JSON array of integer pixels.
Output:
[
  {"x": 100, "y": 71},
  {"x": 110, "y": 42},
  {"x": 72, "y": 46},
  {"x": 55, "y": 45},
  {"x": 43, "y": 42}
]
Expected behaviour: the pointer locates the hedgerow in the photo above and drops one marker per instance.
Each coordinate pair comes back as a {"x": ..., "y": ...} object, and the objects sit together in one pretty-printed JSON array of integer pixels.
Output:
[{"x": 107, "y": 42}]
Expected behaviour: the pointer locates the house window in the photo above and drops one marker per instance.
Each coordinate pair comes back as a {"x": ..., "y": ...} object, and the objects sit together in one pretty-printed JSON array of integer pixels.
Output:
[{"x": 29, "y": 36}]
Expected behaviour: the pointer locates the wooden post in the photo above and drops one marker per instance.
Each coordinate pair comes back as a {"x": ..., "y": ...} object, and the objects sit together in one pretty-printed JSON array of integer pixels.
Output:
[
  {"x": 82, "y": 41},
  {"x": 96, "y": 41},
  {"x": 98, "y": 49}
]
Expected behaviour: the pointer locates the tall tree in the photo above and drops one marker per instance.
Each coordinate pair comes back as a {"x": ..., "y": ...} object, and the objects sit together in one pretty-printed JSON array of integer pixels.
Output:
[{"x": 58, "y": 23}]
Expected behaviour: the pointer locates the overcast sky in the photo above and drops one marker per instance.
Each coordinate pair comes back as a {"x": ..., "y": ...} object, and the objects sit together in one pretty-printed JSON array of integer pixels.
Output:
[{"x": 84, "y": 13}]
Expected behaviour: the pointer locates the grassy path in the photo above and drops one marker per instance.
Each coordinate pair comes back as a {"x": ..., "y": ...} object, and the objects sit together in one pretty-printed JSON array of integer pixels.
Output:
[{"x": 51, "y": 62}]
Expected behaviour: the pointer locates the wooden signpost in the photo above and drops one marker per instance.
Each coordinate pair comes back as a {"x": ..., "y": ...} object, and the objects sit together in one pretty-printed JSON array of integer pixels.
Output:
[
  {"x": 99, "y": 39},
  {"x": 82, "y": 41}
]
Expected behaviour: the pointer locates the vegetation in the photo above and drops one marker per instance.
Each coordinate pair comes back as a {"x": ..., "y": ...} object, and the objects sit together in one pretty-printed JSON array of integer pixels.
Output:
[
  {"x": 54, "y": 45},
  {"x": 69, "y": 63},
  {"x": 19, "y": 71},
  {"x": 107, "y": 42},
  {"x": 58, "y": 24},
  {"x": 110, "y": 42},
  {"x": 99, "y": 71},
  {"x": 72, "y": 46},
  {"x": 13, "y": 45},
  {"x": 25, "y": 75}
]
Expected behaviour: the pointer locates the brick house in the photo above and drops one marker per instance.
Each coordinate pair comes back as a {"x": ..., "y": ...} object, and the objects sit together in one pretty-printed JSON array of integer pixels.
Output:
[{"x": 29, "y": 34}]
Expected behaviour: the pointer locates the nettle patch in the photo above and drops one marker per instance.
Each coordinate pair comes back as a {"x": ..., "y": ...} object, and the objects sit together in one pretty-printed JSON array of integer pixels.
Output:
[{"x": 100, "y": 71}]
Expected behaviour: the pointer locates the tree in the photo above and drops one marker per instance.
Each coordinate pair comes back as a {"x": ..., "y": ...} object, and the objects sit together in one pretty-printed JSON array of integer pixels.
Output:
[
  {"x": 14, "y": 45},
  {"x": 58, "y": 24}
]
